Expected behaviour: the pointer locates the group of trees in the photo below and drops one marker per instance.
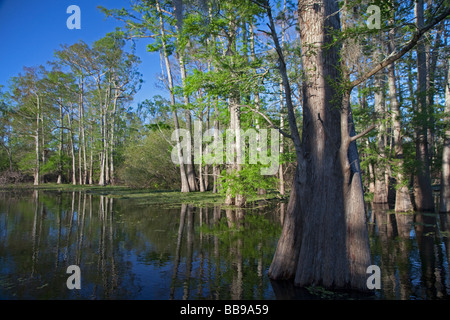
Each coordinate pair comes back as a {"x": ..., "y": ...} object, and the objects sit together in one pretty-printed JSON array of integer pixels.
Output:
[
  {"x": 214, "y": 74},
  {"x": 337, "y": 84},
  {"x": 358, "y": 108},
  {"x": 408, "y": 151},
  {"x": 68, "y": 121}
]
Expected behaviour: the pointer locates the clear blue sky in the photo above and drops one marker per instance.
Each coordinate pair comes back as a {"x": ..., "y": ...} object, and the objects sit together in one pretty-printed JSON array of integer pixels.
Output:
[{"x": 30, "y": 31}]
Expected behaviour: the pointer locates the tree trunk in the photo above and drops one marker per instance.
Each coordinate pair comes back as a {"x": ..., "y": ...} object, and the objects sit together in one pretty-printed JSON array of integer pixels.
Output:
[
  {"x": 444, "y": 205},
  {"x": 281, "y": 187},
  {"x": 101, "y": 180},
  {"x": 72, "y": 148},
  {"x": 91, "y": 158},
  {"x": 206, "y": 168},
  {"x": 380, "y": 194},
  {"x": 43, "y": 143},
  {"x": 190, "y": 167},
  {"x": 236, "y": 153},
  {"x": 216, "y": 167},
  {"x": 402, "y": 197},
  {"x": 106, "y": 137},
  {"x": 257, "y": 103},
  {"x": 370, "y": 172},
  {"x": 239, "y": 199},
  {"x": 281, "y": 183},
  {"x": 234, "y": 101},
  {"x": 431, "y": 62},
  {"x": 423, "y": 193},
  {"x": 60, "y": 146},
  {"x": 324, "y": 239},
  {"x": 37, "y": 168},
  {"x": 80, "y": 135},
  {"x": 165, "y": 55},
  {"x": 111, "y": 142},
  {"x": 198, "y": 129}
]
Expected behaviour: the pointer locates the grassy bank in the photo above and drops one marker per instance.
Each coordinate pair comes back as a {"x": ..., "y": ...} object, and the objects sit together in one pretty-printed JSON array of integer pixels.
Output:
[{"x": 143, "y": 196}]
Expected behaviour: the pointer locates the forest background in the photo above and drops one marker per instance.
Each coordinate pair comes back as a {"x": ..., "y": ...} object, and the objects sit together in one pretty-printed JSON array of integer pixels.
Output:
[{"x": 74, "y": 120}]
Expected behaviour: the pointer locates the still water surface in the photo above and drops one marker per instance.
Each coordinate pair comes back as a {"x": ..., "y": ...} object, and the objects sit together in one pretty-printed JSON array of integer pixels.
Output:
[{"x": 127, "y": 250}]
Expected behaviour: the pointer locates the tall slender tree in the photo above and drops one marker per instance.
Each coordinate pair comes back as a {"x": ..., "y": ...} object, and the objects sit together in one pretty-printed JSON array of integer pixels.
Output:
[{"x": 444, "y": 205}]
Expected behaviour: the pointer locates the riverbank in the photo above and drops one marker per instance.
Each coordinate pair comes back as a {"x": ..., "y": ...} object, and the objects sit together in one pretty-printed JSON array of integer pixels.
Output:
[{"x": 144, "y": 196}]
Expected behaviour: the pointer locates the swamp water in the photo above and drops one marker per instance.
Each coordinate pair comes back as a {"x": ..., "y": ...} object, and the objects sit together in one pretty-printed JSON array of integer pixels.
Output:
[{"x": 129, "y": 250}]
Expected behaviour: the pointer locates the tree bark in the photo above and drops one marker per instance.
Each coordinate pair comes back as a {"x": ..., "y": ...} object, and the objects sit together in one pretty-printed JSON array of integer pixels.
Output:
[
  {"x": 80, "y": 135},
  {"x": 423, "y": 193},
  {"x": 444, "y": 205},
  {"x": 322, "y": 257},
  {"x": 257, "y": 102},
  {"x": 280, "y": 169},
  {"x": 402, "y": 197},
  {"x": 60, "y": 146},
  {"x": 380, "y": 194},
  {"x": 190, "y": 167},
  {"x": 103, "y": 127},
  {"x": 72, "y": 148},
  {"x": 112, "y": 141},
  {"x": 36, "y": 137},
  {"x": 216, "y": 166},
  {"x": 324, "y": 239},
  {"x": 281, "y": 187},
  {"x": 91, "y": 158}
]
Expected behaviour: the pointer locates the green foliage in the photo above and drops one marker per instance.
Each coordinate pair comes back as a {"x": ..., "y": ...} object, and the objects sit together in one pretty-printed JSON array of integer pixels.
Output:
[
  {"x": 55, "y": 164},
  {"x": 4, "y": 160},
  {"x": 245, "y": 182},
  {"x": 26, "y": 164},
  {"x": 147, "y": 163}
]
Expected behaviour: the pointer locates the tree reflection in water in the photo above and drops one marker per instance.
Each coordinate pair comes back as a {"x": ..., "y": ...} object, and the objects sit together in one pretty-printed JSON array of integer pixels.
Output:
[
  {"x": 130, "y": 250},
  {"x": 411, "y": 252}
]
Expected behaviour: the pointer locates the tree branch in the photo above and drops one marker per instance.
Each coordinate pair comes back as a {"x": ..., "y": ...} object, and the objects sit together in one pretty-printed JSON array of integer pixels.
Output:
[
  {"x": 395, "y": 55},
  {"x": 362, "y": 133},
  {"x": 284, "y": 133}
]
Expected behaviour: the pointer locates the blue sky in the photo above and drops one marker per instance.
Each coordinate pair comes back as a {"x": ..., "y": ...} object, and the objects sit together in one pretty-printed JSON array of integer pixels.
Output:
[{"x": 30, "y": 31}]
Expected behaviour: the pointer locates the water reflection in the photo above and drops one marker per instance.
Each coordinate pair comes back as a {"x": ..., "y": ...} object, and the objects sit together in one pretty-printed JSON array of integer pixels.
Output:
[
  {"x": 42, "y": 235},
  {"x": 130, "y": 250},
  {"x": 412, "y": 252}
]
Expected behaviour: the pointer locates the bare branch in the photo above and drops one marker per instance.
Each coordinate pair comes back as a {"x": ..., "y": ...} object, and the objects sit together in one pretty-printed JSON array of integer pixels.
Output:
[
  {"x": 284, "y": 133},
  {"x": 362, "y": 133}
]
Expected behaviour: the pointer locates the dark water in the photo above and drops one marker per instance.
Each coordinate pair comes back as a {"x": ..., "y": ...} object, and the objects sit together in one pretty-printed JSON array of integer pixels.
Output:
[{"x": 127, "y": 250}]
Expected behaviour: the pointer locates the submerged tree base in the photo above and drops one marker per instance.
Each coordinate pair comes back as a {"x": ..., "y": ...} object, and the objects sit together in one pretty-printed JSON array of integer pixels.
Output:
[{"x": 286, "y": 290}]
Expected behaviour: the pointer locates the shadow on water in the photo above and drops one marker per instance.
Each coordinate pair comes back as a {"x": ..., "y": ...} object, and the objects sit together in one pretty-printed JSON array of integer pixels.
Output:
[{"x": 127, "y": 250}]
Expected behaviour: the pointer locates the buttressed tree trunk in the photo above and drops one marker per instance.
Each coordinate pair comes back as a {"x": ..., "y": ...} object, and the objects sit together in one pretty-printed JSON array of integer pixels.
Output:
[{"x": 324, "y": 239}]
